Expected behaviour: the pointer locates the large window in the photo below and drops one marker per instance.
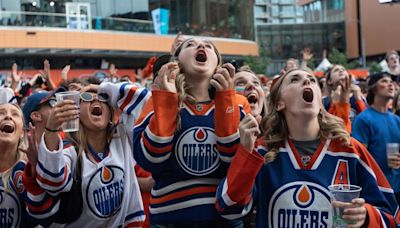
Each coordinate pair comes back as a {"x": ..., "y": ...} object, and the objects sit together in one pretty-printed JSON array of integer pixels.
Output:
[{"x": 221, "y": 18}]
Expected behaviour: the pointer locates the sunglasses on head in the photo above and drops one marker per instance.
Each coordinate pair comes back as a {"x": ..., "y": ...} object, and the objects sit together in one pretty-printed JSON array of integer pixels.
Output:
[{"x": 88, "y": 97}]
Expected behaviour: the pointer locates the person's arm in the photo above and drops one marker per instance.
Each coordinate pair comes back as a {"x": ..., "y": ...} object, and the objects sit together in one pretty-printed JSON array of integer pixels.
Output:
[
  {"x": 307, "y": 56},
  {"x": 155, "y": 129},
  {"x": 40, "y": 205},
  {"x": 47, "y": 75},
  {"x": 235, "y": 193},
  {"x": 380, "y": 201},
  {"x": 227, "y": 113},
  {"x": 16, "y": 77}
]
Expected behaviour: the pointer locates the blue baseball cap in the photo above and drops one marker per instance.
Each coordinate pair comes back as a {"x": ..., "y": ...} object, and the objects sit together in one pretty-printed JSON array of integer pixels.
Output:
[{"x": 34, "y": 101}]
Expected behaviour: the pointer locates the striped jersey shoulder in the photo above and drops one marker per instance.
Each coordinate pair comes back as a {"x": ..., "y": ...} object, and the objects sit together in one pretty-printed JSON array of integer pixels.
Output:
[{"x": 148, "y": 109}]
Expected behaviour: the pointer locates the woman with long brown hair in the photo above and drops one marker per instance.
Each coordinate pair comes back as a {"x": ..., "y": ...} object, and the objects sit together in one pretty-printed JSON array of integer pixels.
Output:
[{"x": 304, "y": 150}]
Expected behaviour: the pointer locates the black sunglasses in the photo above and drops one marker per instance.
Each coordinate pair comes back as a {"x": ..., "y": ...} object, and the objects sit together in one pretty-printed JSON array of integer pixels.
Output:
[{"x": 88, "y": 97}]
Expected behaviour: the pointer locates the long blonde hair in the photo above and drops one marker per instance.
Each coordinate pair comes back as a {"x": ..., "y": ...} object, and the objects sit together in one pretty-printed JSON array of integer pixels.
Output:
[
  {"x": 182, "y": 87},
  {"x": 19, "y": 155},
  {"x": 274, "y": 126}
]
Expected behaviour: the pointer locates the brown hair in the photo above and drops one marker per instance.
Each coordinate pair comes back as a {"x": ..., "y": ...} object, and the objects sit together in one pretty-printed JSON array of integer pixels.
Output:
[{"x": 275, "y": 129}]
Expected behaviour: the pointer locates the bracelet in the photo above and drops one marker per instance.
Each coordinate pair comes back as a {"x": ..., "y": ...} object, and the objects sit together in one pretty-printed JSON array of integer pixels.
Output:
[{"x": 51, "y": 130}]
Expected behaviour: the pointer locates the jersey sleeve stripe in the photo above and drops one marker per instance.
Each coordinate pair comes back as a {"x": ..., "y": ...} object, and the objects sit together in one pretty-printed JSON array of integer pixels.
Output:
[
  {"x": 151, "y": 158},
  {"x": 157, "y": 139},
  {"x": 139, "y": 99},
  {"x": 183, "y": 193},
  {"x": 51, "y": 174},
  {"x": 183, "y": 184}
]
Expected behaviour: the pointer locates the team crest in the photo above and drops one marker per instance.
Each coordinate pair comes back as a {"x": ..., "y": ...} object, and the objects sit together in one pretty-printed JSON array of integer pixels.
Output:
[
  {"x": 300, "y": 204},
  {"x": 105, "y": 190},
  {"x": 17, "y": 181},
  {"x": 196, "y": 151}
]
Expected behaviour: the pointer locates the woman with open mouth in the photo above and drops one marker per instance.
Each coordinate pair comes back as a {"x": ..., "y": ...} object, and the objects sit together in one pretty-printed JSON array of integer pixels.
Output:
[
  {"x": 248, "y": 84},
  {"x": 187, "y": 134},
  {"x": 304, "y": 149},
  {"x": 17, "y": 181},
  {"x": 345, "y": 99},
  {"x": 100, "y": 160}
]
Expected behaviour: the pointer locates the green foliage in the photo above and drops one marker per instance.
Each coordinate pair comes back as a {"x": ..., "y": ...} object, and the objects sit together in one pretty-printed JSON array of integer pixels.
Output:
[
  {"x": 337, "y": 57},
  {"x": 259, "y": 63},
  {"x": 374, "y": 67}
]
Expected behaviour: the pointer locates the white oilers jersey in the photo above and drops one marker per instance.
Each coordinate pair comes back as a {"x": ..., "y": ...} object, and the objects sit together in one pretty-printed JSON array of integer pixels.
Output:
[
  {"x": 10, "y": 204},
  {"x": 111, "y": 194}
]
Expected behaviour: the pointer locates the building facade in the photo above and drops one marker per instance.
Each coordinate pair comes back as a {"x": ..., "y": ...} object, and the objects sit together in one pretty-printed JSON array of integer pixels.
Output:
[
  {"x": 351, "y": 26},
  {"x": 85, "y": 33}
]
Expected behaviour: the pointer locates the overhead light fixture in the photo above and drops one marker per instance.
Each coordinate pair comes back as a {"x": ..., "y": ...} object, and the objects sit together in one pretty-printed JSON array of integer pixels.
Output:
[
  {"x": 34, "y": 3},
  {"x": 51, "y": 3}
]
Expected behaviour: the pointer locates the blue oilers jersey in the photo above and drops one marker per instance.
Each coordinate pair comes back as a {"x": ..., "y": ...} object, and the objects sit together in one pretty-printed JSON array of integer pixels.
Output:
[
  {"x": 289, "y": 194},
  {"x": 186, "y": 162}
]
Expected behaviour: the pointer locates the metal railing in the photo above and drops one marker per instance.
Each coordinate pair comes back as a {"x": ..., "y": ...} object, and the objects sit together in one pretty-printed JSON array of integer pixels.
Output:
[{"x": 60, "y": 20}]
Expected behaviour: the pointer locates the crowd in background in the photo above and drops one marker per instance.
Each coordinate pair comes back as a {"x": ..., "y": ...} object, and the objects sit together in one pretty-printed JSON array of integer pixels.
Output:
[{"x": 194, "y": 141}]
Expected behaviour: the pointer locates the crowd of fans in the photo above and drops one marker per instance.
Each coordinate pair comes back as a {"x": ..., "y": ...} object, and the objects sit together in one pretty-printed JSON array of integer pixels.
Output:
[{"x": 196, "y": 142}]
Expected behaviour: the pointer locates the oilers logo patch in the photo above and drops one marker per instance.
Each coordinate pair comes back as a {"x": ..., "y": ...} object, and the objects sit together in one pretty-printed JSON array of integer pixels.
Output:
[
  {"x": 105, "y": 190},
  {"x": 10, "y": 210},
  {"x": 196, "y": 151},
  {"x": 17, "y": 181},
  {"x": 300, "y": 204}
]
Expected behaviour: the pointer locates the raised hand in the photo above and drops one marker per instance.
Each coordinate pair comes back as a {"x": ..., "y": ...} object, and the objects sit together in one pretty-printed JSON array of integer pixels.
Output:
[
  {"x": 342, "y": 91},
  {"x": 62, "y": 112},
  {"x": 307, "y": 54},
  {"x": 356, "y": 90},
  {"x": 223, "y": 78},
  {"x": 166, "y": 77},
  {"x": 64, "y": 72},
  {"x": 32, "y": 148},
  {"x": 113, "y": 70},
  {"x": 46, "y": 70},
  {"x": 16, "y": 77},
  {"x": 249, "y": 131}
]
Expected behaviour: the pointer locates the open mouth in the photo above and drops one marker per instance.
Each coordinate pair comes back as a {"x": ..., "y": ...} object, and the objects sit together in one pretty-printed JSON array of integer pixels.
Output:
[
  {"x": 252, "y": 99},
  {"x": 96, "y": 111},
  {"x": 308, "y": 95},
  {"x": 201, "y": 56},
  {"x": 7, "y": 128}
]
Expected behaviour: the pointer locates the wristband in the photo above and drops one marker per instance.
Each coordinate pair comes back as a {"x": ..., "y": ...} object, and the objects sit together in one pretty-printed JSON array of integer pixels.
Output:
[{"x": 51, "y": 130}]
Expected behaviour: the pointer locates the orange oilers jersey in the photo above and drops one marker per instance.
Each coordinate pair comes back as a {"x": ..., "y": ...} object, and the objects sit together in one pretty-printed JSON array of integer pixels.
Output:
[{"x": 187, "y": 162}]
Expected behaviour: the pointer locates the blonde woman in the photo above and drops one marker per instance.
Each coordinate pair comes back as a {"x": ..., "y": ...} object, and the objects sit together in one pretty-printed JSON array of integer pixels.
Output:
[
  {"x": 101, "y": 158},
  {"x": 187, "y": 139},
  {"x": 308, "y": 150},
  {"x": 22, "y": 202}
]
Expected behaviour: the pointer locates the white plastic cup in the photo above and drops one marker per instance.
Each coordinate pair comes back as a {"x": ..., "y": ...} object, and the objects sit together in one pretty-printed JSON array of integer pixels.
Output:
[
  {"x": 392, "y": 150},
  {"x": 71, "y": 125},
  {"x": 342, "y": 193}
]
